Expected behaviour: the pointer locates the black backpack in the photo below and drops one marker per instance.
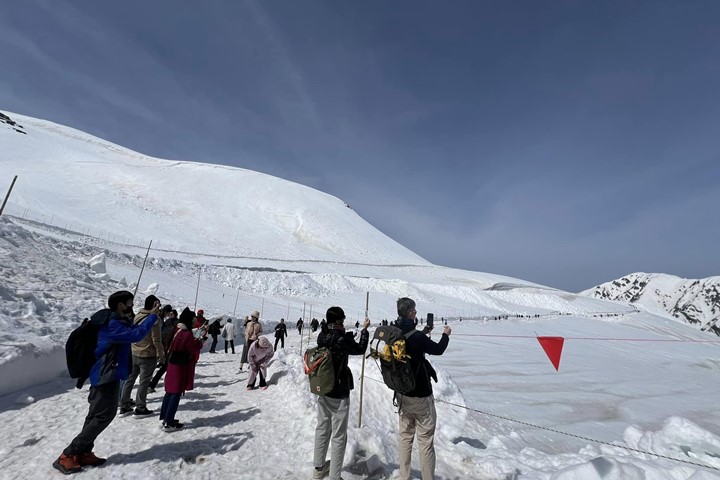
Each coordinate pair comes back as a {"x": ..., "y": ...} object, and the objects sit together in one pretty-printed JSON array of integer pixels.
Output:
[
  {"x": 394, "y": 360},
  {"x": 80, "y": 346}
]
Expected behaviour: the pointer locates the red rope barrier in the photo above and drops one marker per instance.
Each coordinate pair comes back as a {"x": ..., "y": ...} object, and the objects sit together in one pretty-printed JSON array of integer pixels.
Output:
[{"x": 591, "y": 338}]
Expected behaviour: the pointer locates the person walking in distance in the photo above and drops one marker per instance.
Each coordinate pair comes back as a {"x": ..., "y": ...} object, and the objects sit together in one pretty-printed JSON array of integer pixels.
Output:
[
  {"x": 280, "y": 334},
  {"x": 333, "y": 408},
  {"x": 214, "y": 330},
  {"x": 228, "y": 333},
  {"x": 112, "y": 364},
  {"x": 416, "y": 409},
  {"x": 253, "y": 330},
  {"x": 299, "y": 326}
]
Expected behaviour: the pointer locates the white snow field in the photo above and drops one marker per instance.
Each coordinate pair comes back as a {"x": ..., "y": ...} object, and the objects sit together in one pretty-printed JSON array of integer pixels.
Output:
[{"x": 634, "y": 397}]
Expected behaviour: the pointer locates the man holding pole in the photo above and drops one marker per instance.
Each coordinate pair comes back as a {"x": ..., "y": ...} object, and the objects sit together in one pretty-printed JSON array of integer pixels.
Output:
[{"x": 333, "y": 408}]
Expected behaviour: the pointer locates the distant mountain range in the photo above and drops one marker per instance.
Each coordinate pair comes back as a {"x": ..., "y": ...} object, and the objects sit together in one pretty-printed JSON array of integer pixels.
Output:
[{"x": 696, "y": 302}]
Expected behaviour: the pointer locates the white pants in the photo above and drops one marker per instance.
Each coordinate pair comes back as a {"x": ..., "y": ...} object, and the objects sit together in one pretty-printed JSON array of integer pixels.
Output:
[
  {"x": 417, "y": 415},
  {"x": 331, "y": 428}
]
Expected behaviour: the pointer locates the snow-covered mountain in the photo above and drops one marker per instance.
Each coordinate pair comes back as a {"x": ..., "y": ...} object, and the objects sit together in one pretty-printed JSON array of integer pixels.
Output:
[
  {"x": 693, "y": 301},
  {"x": 182, "y": 205}
]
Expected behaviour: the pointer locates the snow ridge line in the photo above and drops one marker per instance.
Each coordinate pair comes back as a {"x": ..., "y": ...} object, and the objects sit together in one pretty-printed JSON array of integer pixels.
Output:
[
  {"x": 86, "y": 238},
  {"x": 581, "y": 437}
]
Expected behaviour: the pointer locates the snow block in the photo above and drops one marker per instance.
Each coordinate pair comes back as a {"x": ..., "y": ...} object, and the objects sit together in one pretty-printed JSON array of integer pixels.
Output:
[
  {"x": 32, "y": 368},
  {"x": 97, "y": 263}
]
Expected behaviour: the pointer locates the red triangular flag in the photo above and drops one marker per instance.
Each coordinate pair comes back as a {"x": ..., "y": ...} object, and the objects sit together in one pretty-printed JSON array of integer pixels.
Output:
[{"x": 553, "y": 349}]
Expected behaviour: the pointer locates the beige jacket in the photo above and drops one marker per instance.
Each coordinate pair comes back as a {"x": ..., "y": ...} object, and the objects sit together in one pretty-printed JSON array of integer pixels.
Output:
[
  {"x": 253, "y": 330},
  {"x": 151, "y": 345}
]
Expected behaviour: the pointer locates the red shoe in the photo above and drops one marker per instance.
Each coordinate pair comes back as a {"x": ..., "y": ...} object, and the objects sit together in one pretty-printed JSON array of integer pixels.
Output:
[
  {"x": 67, "y": 464},
  {"x": 90, "y": 459}
]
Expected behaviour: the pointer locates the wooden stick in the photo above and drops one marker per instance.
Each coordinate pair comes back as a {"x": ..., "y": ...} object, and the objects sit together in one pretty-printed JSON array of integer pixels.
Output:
[
  {"x": 197, "y": 289},
  {"x": 143, "y": 268},
  {"x": 362, "y": 371},
  {"x": 8, "y": 194},
  {"x": 236, "y": 300}
]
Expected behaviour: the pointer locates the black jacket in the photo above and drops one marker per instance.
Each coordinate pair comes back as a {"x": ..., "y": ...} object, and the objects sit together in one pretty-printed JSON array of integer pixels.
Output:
[
  {"x": 417, "y": 345},
  {"x": 214, "y": 328},
  {"x": 280, "y": 330},
  {"x": 341, "y": 345}
]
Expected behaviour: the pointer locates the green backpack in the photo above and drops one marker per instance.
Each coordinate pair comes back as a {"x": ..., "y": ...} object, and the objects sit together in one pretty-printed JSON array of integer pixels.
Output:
[{"x": 320, "y": 370}]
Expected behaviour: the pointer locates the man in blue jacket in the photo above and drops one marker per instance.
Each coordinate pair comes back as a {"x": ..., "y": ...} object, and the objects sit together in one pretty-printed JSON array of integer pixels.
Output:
[
  {"x": 417, "y": 407},
  {"x": 112, "y": 366}
]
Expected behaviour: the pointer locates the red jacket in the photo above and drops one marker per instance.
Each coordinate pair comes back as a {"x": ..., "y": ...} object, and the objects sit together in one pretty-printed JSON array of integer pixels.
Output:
[{"x": 180, "y": 378}]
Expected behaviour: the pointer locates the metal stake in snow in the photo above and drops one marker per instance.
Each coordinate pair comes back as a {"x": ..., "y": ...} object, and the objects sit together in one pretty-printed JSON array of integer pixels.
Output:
[
  {"x": 8, "y": 195},
  {"x": 362, "y": 370},
  {"x": 141, "y": 269},
  {"x": 197, "y": 289}
]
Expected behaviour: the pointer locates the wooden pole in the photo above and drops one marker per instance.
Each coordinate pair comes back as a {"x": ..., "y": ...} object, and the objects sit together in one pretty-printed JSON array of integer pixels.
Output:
[
  {"x": 362, "y": 371},
  {"x": 197, "y": 289},
  {"x": 8, "y": 194},
  {"x": 236, "y": 300},
  {"x": 301, "y": 335},
  {"x": 143, "y": 268}
]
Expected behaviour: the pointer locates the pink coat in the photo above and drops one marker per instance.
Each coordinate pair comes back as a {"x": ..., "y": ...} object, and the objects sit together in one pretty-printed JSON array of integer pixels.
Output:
[
  {"x": 260, "y": 353},
  {"x": 180, "y": 378}
]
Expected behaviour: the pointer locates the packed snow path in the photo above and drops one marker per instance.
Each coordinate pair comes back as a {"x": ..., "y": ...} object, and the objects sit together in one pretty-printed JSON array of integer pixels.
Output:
[{"x": 234, "y": 433}]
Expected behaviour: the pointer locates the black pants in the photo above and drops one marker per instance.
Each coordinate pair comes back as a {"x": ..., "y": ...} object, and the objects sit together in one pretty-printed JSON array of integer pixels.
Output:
[
  {"x": 232, "y": 345},
  {"x": 214, "y": 344},
  {"x": 281, "y": 340},
  {"x": 156, "y": 379},
  {"x": 103, "y": 401},
  {"x": 263, "y": 383}
]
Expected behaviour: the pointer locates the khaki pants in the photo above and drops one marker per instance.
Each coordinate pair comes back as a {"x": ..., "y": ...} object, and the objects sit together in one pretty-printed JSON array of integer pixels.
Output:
[
  {"x": 417, "y": 415},
  {"x": 331, "y": 431}
]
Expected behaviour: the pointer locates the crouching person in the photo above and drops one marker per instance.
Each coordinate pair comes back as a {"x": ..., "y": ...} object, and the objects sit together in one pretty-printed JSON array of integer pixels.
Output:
[
  {"x": 259, "y": 355},
  {"x": 333, "y": 408},
  {"x": 111, "y": 366}
]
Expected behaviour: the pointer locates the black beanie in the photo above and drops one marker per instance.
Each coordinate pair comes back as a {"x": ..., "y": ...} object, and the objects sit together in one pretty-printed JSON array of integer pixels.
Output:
[{"x": 335, "y": 315}]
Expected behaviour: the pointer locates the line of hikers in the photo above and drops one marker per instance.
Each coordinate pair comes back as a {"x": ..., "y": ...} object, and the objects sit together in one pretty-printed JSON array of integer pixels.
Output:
[{"x": 130, "y": 346}]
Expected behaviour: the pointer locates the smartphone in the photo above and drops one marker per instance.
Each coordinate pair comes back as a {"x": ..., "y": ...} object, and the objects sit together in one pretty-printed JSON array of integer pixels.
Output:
[{"x": 430, "y": 320}]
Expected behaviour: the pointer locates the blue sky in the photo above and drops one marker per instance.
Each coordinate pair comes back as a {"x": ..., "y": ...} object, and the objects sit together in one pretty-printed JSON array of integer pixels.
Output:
[{"x": 565, "y": 142}]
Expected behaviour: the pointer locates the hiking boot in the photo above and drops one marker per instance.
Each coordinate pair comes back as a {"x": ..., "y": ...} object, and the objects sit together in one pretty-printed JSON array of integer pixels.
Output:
[
  {"x": 151, "y": 390},
  {"x": 249, "y": 388},
  {"x": 67, "y": 464},
  {"x": 321, "y": 472},
  {"x": 125, "y": 411},
  {"x": 142, "y": 412},
  {"x": 172, "y": 427},
  {"x": 90, "y": 459},
  {"x": 263, "y": 388}
]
